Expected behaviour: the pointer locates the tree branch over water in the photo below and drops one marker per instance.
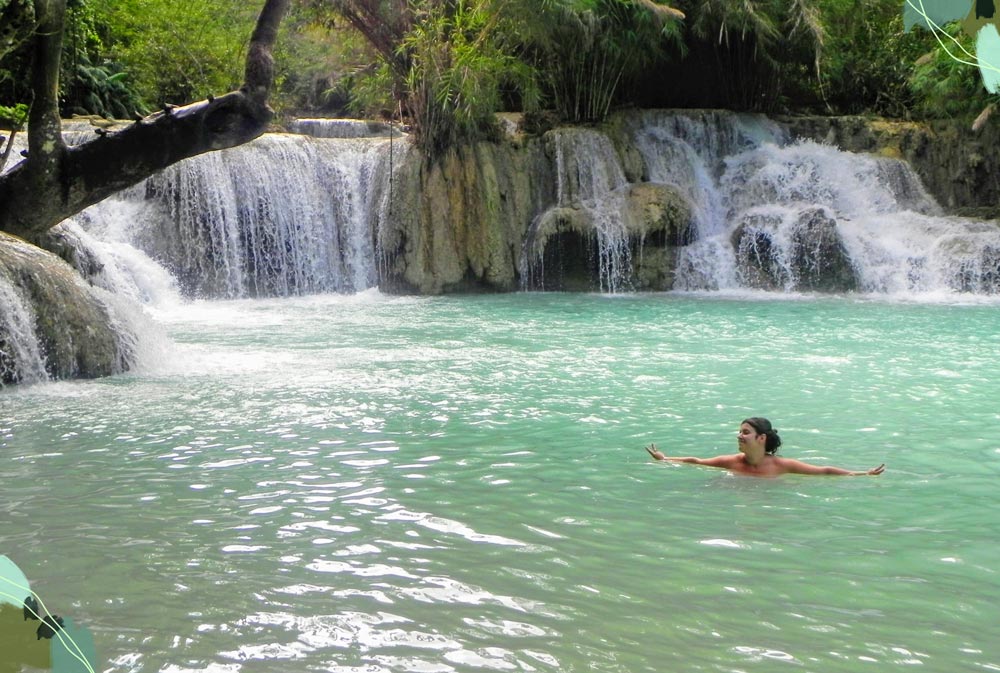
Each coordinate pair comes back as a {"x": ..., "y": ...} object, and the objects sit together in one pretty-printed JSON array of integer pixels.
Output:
[{"x": 57, "y": 181}]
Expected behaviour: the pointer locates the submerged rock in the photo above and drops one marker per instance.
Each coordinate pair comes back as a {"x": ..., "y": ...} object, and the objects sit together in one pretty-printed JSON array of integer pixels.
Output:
[
  {"x": 819, "y": 260},
  {"x": 53, "y": 323}
]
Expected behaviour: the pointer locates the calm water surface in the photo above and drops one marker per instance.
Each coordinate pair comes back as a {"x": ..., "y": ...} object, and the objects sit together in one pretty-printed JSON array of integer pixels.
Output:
[{"x": 428, "y": 485}]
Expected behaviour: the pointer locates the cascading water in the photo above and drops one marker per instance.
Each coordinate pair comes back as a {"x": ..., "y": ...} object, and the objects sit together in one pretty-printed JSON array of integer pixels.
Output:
[
  {"x": 775, "y": 214},
  {"x": 284, "y": 215},
  {"x": 21, "y": 358},
  {"x": 590, "y": 181},
  {"x": 689, "y": 152},
  {"x": 290, "y": 214},
  {"x": 297, "y": 214}
]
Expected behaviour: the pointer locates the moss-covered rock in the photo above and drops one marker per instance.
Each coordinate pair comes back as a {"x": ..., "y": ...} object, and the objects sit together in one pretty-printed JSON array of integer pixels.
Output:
[
  {"x": 661, "y": 220},
  {"x": 458, "y": 224},
  {"x": 55, "y": 322}
]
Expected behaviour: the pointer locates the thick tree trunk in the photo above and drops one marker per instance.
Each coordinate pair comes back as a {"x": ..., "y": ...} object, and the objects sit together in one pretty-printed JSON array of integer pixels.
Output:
[{"x": 56, "y": 181}]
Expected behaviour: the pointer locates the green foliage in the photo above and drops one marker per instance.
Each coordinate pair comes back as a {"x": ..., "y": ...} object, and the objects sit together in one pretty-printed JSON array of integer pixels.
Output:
[
  {"x": 450, "y": 65},
  {"x": 458, "y": 66},
  {"x": 319, "y": 63},
  {"x": 865, "y": 61},
  {"x": 757, "y": 47},
  {"x": 91, "y": 84},
  {"x": 445, "y": 65},
  {"x": 943, "y": 86},
  {"x": 17, "y": 25},
  {"x": 13, "y": 117},
  {"x": 103, "y": 90},
  {"x": 177, "y": 50},
  {"x": 588, "y": 49},
  {"x": 371, "y": 93}
]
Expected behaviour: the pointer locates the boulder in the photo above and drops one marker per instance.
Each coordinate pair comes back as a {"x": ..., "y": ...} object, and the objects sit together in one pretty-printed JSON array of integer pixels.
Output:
[
  {"x": 53, "y": 323},
  {"x": 799, "y": 251}
]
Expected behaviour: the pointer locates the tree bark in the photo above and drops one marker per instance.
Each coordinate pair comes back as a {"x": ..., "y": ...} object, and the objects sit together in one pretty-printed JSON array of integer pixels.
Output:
[{"x": 56, "y": 181}]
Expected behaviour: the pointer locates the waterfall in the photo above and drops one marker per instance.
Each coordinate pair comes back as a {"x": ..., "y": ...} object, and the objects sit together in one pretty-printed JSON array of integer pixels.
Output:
[
  {"x": 690, "y": 151},
  {"x": 777, "y": 214},
  {"x": 292, "y": 214},
  {"x": 342, "y": 128},
  {"x": 590, "y": 203},
  {"x": 21, "y": 357},
  {"x": 283, "y": 215}
]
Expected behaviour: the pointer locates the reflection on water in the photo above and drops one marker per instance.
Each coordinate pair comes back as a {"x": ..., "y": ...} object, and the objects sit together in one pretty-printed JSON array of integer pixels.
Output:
[{"x": 381, "y": 484}]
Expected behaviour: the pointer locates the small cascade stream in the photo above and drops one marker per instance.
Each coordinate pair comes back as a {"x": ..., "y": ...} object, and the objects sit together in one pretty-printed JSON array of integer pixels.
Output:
[
  {"x": 21, "y": 359},
  {"x": 592, "y": 184},
  {"x": 342, "y": 128}
]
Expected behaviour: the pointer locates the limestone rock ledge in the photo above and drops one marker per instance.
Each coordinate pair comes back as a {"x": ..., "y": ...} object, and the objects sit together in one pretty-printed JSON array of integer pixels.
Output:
[{"x": 483, "y": 218}]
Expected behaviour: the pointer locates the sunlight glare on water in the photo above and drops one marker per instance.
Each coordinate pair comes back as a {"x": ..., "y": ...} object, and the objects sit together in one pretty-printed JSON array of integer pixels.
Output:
[{"x": 348, "y": 483}]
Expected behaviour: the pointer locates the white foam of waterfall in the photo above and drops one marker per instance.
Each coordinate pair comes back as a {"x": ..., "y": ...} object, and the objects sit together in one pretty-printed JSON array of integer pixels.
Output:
[
  {"x": 20, "y": 351},
  {"x": 890, "y": 228},
  {"x": 126, "y": 281},
  {"x": 688, "y": 151},
  {"x": 283, "y": 215},
  {"x": 809, "y": 173},
  {"x": 134, "y": 287},
  {"x": 674, "y": 161},
  {"x": 892, "y": 231},
  {"x": 907, "y": 252},
  {"x": 591, "y": 179},
  {"x": 341, "y": 128},
  {"x": 105, "y": 232}
]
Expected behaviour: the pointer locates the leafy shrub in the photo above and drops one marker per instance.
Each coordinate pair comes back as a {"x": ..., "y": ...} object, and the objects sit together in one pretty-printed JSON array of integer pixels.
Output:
[
  {"x": 943, "y": 86},
  {"x": 101, "y": 89},
  {"x": 13, "y": 117}
]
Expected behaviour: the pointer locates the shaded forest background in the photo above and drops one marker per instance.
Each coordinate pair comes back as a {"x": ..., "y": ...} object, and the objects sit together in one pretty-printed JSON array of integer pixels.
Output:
[{"x": 445, "y": 67}]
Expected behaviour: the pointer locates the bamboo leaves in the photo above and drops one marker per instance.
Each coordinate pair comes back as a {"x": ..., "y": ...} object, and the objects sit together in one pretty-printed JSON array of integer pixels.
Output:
[{"x": 596, "y": 45}]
